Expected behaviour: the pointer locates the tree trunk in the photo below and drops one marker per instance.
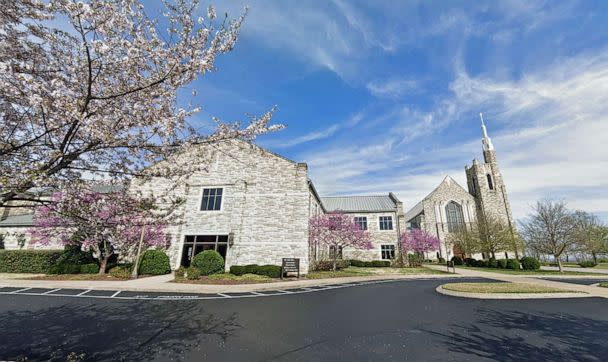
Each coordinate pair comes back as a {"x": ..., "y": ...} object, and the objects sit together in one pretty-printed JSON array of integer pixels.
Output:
[
  {"x": 594, "y": 257},
  {"x": 493, "y": 255},
  {"x": 103, "y": 263},
  {"x": 559, "y": 263}
]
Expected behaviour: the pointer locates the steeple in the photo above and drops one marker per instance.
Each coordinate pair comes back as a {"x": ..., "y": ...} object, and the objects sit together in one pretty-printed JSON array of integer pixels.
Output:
[{"x": 487, "y": 142}]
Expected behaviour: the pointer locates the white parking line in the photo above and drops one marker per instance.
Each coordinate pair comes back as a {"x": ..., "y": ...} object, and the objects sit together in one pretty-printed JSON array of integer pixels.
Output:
[
  {"x": 50, "y": 291},
  {"x": 19, "y": 290},
  {"x": 115, "y": 294},
  {"x": 224, "y": 295},
  {"x": 83, "y": 293},
  {"x": 256, "y": 293}
]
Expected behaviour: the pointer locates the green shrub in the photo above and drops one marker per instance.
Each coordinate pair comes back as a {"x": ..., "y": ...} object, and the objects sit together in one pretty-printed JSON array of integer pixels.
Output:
[
  {"x": 469, "y": 261},
  {"x": 441, "y": 260},
  {"x": 180, "y": 272},
  {"x": 513, "y": 264},
  {"x": 91, "y": 268},
  {"x": 273, "y": 271},
  {"x": 208, "y": 262},
  {"x": 480, "y": 264},
  {"x": 381, "y": 263},
  {"x": 502, "y": 263},
  {"x": 414, "y": 260},
  {"x": 121, "y": 271},
  {"x": 73, "y": 254},
  {"x": 326, "y": 265},
  {"x": 64, "y": 269},
  {"x": 373, "y": 263},
  {"x": 492, "y": 263},
  {"x": 587, "y": 264},
  {"x": 457, "y": 260},
  {"x": 193, "y": 273},
  {"x": 28, "y": 261},
  {"x": 154, "y": 262},
  {"x": 530, "y": 263}
]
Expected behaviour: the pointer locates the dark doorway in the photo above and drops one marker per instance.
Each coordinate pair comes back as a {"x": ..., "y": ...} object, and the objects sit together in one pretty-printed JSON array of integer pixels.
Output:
[{"x": 194, "y": 244}]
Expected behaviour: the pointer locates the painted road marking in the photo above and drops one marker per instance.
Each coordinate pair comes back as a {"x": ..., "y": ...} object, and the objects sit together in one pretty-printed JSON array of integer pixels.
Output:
[{"x": 130, "y": 295}]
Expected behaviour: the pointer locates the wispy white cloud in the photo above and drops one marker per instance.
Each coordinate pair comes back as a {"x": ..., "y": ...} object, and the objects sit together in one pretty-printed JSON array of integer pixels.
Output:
[{"x": 393, "y": 88}]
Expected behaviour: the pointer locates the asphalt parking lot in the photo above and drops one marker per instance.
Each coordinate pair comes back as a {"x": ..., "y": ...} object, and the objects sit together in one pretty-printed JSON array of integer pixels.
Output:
[{"x": 395, "y": 321}]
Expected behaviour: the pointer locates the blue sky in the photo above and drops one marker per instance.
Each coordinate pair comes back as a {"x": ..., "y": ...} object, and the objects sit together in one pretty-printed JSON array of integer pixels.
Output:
[{"x": 383, "y": 96}]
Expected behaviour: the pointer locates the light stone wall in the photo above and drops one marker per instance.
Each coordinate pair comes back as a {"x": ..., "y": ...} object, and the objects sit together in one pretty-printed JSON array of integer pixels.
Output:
[
  {"x": 11, "y": 238},
  {"x": 265, "y": 206}
]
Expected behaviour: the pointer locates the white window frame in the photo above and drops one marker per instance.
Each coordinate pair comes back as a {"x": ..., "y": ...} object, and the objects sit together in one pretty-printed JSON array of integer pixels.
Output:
[
  {"x": 380, "y": 223},
  {"x": 388, "y": 246},
  {"x": 361, "y": 217},
  {"x": 200, "y": 199}
]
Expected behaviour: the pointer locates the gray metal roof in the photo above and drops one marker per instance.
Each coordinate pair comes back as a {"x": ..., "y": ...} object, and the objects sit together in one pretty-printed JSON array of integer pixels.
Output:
[
  {"x": 18, "y": 220},
  {"x": 380, "y": 203}
]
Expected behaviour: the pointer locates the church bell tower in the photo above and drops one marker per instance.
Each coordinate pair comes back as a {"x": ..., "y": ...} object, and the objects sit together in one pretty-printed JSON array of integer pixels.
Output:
[{"x": 485, "y": 183}]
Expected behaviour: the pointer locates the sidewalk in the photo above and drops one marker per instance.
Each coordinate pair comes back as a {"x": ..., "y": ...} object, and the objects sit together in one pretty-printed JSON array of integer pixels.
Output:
[
  {"x": 163, "y": 283},
  {"x": 574, "y": 269},
  {"x": 535, "y": 279}
]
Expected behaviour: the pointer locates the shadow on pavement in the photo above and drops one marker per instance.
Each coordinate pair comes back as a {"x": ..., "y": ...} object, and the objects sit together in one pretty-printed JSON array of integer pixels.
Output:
[
  {"x": 524, "y": 336},
  {"x": 101, "y": 332}
]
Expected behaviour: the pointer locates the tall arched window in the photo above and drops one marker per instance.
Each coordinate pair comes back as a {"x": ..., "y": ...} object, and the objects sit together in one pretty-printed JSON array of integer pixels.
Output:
[{"x": 453, "y": 213}]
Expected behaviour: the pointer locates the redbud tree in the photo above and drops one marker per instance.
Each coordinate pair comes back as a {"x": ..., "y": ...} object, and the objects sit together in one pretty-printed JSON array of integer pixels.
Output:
[
  {"x": 418, "y": 242},
  {"x": 337, "y": 230},
  {"x": 106, "y": 223}
]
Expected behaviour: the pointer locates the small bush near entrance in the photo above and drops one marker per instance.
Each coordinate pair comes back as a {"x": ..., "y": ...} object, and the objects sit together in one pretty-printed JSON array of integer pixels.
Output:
[
  {"x": 513, "y": 264},
  {"x": 272, "y": 271},
  {"x": 530, "y": 263},
  {"x": 208, "y": 262},
  {"x": 457, "y": 260},
  {"x": 180, "y": 272},
  {"x": 121, "y": 271},
  {"x": 373, "y": 263},
  {"x": 193, "y": 273},
  {"x": 502, "y": 263},
  {"x": 441, "y": 260},
  {"x": 154, "y": 262},
  {"x": 469, "y": 261},
  {"x": 326, "y": 265},
  {"x": 28, "y": 261},
  {"x": 587, "y": 264},
  {"x": 91, "y": 268},
  {"x": 492, "y": 263}
]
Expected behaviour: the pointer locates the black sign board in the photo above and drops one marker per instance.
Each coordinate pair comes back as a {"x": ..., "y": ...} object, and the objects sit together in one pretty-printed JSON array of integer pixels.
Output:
[
  {"x": 290, "y": 265},
  {"x": 450, "y": 264}
]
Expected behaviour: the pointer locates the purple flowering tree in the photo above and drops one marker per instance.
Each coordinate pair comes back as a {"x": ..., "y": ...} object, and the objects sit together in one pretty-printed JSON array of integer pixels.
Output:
[
  {"x": 105, "y": 223},
  {"x": 418, "y": 242},
  {"x": 337, "y": 230}
]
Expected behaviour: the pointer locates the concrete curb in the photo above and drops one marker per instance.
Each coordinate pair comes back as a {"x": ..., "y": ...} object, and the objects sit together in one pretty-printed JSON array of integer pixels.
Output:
[{"x": 452, "y": 293}]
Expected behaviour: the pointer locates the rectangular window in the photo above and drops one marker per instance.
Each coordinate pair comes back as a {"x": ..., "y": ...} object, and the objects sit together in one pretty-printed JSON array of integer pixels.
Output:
[
  {"x": 361, "y": 222},
  {"x": 388, "y": 252},
  {"x": 212, "y": 199},
  {"x": 332, "y": 252},
  {"x": 386, "y": 223}
]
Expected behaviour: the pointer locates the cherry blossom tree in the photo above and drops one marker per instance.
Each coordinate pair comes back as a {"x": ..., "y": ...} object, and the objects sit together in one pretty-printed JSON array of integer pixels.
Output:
[
  {"x": 337, "y": 231},
  {"x": 100, "y": 97},
  {"x": 105, "y": 223},
  {"x": 418, "y": 241}
]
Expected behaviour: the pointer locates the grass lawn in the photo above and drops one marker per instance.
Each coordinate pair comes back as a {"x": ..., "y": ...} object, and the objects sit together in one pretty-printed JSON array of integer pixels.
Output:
[
  {"x": 227, "y": 278},
  {"x": 604, "y": 284},
  {"x": 501, "y": 288},
  {"x": 354, "y": 271},
  {"x": 528, "y": 272}
]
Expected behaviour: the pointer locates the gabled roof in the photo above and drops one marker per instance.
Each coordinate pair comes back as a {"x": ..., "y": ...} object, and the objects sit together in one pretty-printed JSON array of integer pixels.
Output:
[
  {"x": 379, "y": 203},
  {"x": 18, "y": 220},
  {"x": 418, "y": 208}
]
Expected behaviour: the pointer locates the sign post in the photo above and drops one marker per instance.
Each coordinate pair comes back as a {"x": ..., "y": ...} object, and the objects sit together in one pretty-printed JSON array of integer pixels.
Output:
[
  {"x": 290, "y": 265},
  {"x": 450, "y": 264}
]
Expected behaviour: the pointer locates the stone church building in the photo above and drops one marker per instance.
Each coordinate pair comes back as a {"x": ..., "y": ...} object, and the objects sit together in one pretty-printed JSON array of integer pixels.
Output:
[
  {"x": 253, "y": 207},
  {"x": 449, "y": 206}
]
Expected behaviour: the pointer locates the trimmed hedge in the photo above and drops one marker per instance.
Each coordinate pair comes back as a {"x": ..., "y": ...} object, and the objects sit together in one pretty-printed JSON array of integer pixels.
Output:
[
  {"x": 502, "y": 263},
  {"x": 513, "y": 264},
  {"x": 64, "y": 269},
  {"x": 587, "y": 264},
  {"x": 469, "y": 261},
  {"x": 73, "y": 254},
  {"x": 371, "y": 264},
  {"x": 208, "y": 262},
  {"x": 91, "y": 268},
  {"x": 441, "y": 260},
  {"x": 273, "y": 271},
  {"x": 326, "y": 265},
  {"x": 154, "y": 262},
  {"x": 28, "y": 261},
  {"x": 457, "y": 260},
  {"x": 530, "y": 263}
]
